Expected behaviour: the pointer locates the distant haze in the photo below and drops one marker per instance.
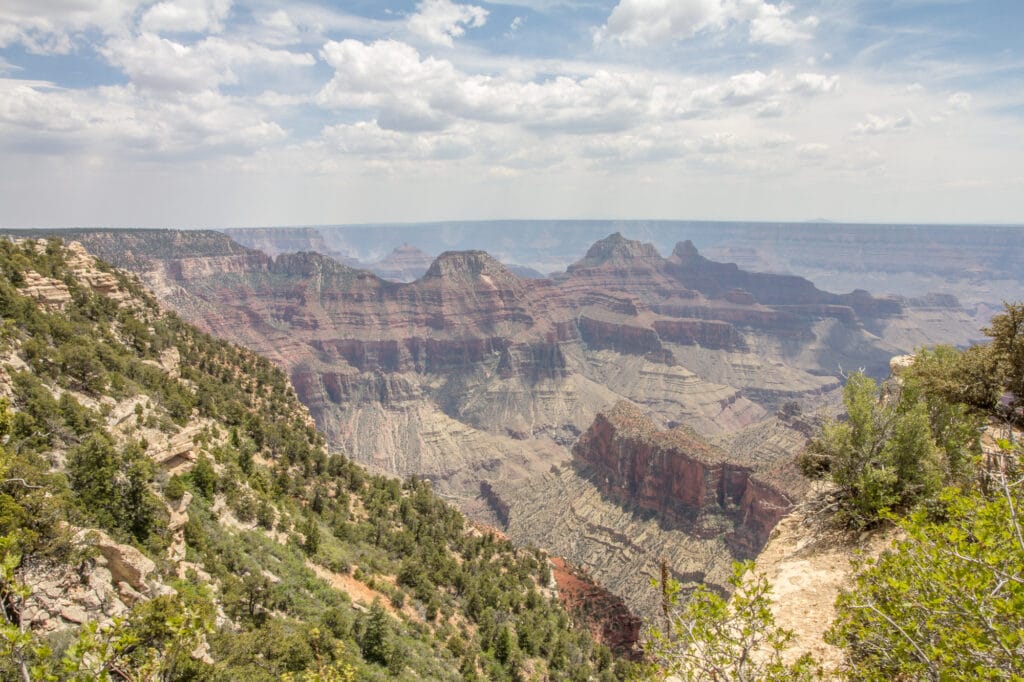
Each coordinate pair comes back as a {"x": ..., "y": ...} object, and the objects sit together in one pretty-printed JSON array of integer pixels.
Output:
[{"x": 978, "y": 264}]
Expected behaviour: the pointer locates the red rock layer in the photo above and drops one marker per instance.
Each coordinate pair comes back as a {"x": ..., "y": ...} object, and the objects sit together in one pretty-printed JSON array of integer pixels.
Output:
[
  {"x": 605, "y": 614},
  {"x": 675, "y": 474}
]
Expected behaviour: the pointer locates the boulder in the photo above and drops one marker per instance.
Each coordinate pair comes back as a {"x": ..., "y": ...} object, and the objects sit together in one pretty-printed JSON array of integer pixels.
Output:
[{"x": 125, "y": 563}]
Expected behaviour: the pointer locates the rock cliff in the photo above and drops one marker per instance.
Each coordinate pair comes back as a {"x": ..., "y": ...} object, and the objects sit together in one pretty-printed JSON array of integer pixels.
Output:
[
  {"x": 481, "y": 380},
  {"x": 404, "y": 264},
  {"x": 685, "y": 481},
  {"x": 979, "y": 263}
]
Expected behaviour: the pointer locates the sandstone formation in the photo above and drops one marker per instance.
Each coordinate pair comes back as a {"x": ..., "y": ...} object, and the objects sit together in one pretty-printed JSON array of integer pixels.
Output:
[
  {"x": 48, "y": 292},
  {"x": 635, "y": 494},
  {"x": 102, "y": 586},
  {"x": 684, "y": 480},
  {"x": 481, "y": 381}
]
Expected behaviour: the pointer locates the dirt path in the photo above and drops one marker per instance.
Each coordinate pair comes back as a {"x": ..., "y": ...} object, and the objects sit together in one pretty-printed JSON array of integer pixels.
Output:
[
  {"x": 808, "y": 564},
  {"x": 359, "y": 592}
]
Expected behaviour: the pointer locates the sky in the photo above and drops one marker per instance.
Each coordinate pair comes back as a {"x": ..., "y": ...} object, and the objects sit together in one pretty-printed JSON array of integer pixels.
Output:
[{"x": 214, "y": 113}]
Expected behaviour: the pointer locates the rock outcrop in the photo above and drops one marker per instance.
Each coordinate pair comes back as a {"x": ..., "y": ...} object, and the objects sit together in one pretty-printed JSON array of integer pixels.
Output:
[
  {"x": 102, "y": 586},
  {"x": 46, "y": 291},
  {"x": 605, "y": 614},
  {"x": 979, "y": 262},
  {"x": 404, "y": 264},
  {"x": 681, "y": 478},
  {"x": 807, "y": 562},
  {"x": 127, "y": 565}
]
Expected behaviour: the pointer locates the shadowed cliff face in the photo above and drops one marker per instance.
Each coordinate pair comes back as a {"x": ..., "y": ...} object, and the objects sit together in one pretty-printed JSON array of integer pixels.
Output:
[{"x": 686, "y": 482}]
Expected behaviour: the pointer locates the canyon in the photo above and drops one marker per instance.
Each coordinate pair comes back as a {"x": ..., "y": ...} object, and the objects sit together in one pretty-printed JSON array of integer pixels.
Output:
[
  {"x": 976, "y": 263},
  {"x": 631, "y": 408}
]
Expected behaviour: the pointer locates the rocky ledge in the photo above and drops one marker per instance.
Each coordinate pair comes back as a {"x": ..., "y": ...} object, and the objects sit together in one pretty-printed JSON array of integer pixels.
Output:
[{"x": 677, "y": 475}]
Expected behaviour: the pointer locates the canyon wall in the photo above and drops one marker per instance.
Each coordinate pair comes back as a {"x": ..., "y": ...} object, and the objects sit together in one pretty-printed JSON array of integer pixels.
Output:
[
  {"x": 482, "y": 381},
  {"x": 978, "y": 263},
  {"x": 685, "y": 481}
]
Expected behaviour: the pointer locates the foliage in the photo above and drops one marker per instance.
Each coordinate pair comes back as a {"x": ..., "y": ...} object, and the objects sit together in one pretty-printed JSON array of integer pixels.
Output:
[
  {"x": 203, "y": 477},
  {"x": 899, "y": 444},
  {"x": 152, "y": 644},
  {"x": 175, "y": 489},
  {"x": 112, "y": 489},
  {"x": 882, "y": 456},
  {"x": 946, "y": 603},
  {"x": 341, "y": 669},
  {"x": 1007, "y": 332},
  {"x": 261, "y": 456},
  {"x": 713, "y": 637},
  {"x": 968, "y": 377}
]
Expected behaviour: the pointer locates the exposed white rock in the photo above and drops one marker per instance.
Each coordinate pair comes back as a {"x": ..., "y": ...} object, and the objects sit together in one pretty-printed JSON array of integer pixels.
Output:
[
  {"x": 48, "y": 292},
  {"x": 125, "y": 563},
  {"x": 899, "y": 363}
]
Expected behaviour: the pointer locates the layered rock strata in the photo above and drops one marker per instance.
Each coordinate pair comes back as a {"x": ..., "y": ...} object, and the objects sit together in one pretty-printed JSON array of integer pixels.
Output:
[
  {"x": 635, "y": 495},
  {"x": 685, "y": 481},
  {"x": 481, "y": 381}
]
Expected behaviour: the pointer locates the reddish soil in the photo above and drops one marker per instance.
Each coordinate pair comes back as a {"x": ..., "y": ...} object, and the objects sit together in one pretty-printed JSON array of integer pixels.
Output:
[{"x": 604, "y": 614}]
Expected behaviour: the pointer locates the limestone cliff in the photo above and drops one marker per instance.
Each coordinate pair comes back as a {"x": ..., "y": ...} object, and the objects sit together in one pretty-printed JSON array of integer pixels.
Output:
[{"x": 682, "y": 479}]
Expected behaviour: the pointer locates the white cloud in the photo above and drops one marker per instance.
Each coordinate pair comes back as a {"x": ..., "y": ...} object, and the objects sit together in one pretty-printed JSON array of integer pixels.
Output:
[
  {"x": 279, "y": 28},
  {"x": 50, "y": 26},
  {"x": 648, "y": 22},
  {"x": 813, "y": 150},
  {"x": 388, "y": 76},
  {"x": 121, "y": 120},
  {"x": 777, "y": 140},
  {"x": 959, "y": 101},
  {"x": 771, "y": 25},
  {"x": 440, "y": 21},
  {"x": 7, "y": 68},
  {"x": 403, "y": 90},
  {"x": 643, "y": 23},
  {"x": 772, "y": 108},
  {"x": 159, "y": 63},
  {"x": 717, "y": 143},
  {"x": 815, "y": 83},
  {"x": 186, "y": 16},
  {"x": 767, "y": 90},
  {"x": 368, "y": 139},
  {"x": 876, "y": 125}
]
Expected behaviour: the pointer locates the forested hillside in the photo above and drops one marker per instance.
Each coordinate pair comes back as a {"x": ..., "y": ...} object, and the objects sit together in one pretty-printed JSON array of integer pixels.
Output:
[{"x": 168, "y": 511}]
